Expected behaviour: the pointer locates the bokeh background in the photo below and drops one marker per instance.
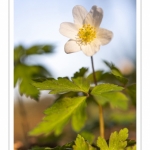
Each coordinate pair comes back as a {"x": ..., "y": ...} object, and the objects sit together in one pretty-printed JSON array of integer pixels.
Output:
[{"x": 37, "y": 22}]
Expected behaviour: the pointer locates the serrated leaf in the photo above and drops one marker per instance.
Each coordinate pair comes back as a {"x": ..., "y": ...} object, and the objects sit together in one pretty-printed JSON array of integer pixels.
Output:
[
  {"x": 60, "y": 126},
  {"x": 82, "y": 83},
  {"x": 81, "y": 144},
  {"x": 103, "y": 88},
  {"x": 29, "y": 90},
  {"x": 25, "y": 74},
  {"x": 117, "y": 141},
  {"x": 56, "y": 86},
  {"x": 63, "y": 85},
  {"x": 115, "y": 71},
  {"x": 104, "y": 93},
  {"x": 79, "y": 117},
  {"x": 81, "y": 72},
  {"x": 57, "y": 115},
  {"x": 98, "y": 75},
  {"x": 115, "y": 99},
  {"x": 102, "y": 144}
]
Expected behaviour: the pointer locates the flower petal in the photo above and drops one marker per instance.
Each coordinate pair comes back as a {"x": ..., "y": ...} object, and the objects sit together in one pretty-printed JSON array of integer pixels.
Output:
[
  {"x": 90, "y": 49},
  {"x": 104, "y": 36},
  {"x": 79, "y": 14},
  {"x": 71, "y": 46},
  {"x": 95, "y": 45},
  {"x": 69, "y": 30},
  {"x": 94, "y": 17}
]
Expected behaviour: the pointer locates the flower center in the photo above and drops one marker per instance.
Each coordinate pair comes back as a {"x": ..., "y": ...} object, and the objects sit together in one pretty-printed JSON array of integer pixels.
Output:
[{"x": 87, "y": 34}]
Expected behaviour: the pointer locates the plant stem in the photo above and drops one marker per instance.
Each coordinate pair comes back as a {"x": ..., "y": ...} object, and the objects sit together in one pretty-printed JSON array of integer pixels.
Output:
[
  {"x": 101, "y": 119},
  {"x": 94, "y": 77}
]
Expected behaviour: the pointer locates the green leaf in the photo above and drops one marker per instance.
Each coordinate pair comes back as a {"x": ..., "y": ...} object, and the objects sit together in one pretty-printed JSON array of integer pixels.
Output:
[
  {"x": 116, "y": 99},
  {"x": 102, "y": 144},
  {"x": 121, "y": 79},
  {"x": 98, "y": 75},
  {"x": 108, "y": 77},
  {"x": 39, "y": 49},
  {"x": 69, "y": 94},
  {"x": 22, "y": 71},
  {"x": 82, "y": 83},
  {"x": 103, "y": 88},
  {"x": 24, "y": 74},
  {"x": 29, "y": 90},
  {"x": 58, "y": 130},
  {"x": 131, "y": 148},
  {"x": 131, "y": 143},
  {"x": 81, "y": 72},
  {"x": 88, "y": 136},
  {"x": 63, "y": 85},
  {"x": 115, "y": 71},
  {"x": 131, "y": 91},
  {"x": 104, "y": 93},
  {"x": 79, "y": 117},
  {"x": 81, "y": 144},
  {"x": 117, "y": 141},
  {"x": 58, "y": 115},
  {"x": 19, "y": 52}
]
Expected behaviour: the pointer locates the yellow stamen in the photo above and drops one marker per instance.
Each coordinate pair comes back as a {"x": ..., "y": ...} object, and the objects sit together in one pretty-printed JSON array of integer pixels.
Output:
[{"x": 86, "y": 34}]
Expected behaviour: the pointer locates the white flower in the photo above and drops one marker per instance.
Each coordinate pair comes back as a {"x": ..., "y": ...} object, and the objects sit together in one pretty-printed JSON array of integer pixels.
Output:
[{"x": 85, "y": 33}]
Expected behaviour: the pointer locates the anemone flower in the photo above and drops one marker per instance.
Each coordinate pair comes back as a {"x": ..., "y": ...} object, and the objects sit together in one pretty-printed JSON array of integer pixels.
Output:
[{"x": 85, "y": 33}]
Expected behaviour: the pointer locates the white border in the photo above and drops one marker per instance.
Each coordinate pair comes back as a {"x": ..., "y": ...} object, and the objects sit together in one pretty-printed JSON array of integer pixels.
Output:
[
  {"x": 11, "y": 74},
  {"x": 4, "y": 102},
  {"x": 145, "y": 72}
]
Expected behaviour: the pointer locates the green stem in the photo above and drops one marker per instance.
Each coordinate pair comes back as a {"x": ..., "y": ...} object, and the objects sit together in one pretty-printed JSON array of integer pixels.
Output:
[{"x": 101, "y": 119}]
